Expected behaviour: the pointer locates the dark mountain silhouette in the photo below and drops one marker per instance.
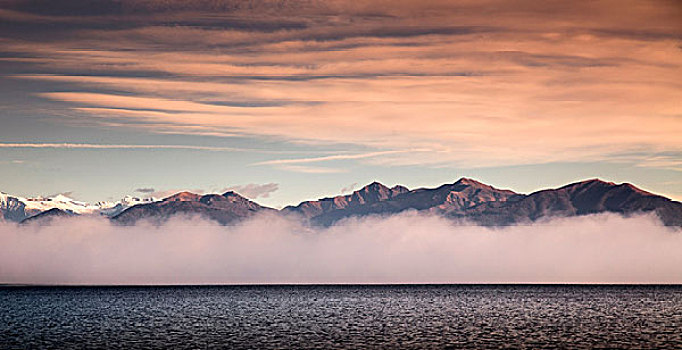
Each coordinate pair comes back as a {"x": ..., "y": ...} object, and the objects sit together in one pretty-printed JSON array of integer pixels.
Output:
[
  {"x": 446, "y": 199},
  {"x": 466, "y": 199},
  {"x": 225, "y": 209},
  {"x": 13, "y": 210},
  {"x": 581, "y": 198},
  {"x": 47, "y": 216},
  {"x": 362, "y": 198},
  {"x": 473, "y": 201}
]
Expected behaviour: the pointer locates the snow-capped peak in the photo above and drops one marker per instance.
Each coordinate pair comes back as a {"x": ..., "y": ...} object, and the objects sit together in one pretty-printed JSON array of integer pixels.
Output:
[
  {"x": 60, "y": 198},
  {"x": 17, "y": 208}
]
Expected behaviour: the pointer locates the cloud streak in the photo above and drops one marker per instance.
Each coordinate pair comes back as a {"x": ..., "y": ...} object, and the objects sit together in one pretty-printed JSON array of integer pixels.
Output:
[
  {"x": 121, "y": 146},
  {"x": 311, "y": 169},
  {"x": 254, "y": 191},
  {"x": 349, "y": 188},
  {"x": 145, "y": 190},
  {"x": 334, "y": 157},
  {"x": 406, "y": 248}
]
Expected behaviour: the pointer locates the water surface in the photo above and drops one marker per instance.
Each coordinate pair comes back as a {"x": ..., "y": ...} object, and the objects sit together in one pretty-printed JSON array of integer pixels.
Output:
[{"x": 258, "y": 317}]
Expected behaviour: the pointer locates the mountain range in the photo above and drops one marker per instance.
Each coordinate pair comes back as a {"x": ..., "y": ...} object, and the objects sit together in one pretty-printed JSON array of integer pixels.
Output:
[
  {"x": 466, "y": 199},
  {"x": 18, "y": 209}
]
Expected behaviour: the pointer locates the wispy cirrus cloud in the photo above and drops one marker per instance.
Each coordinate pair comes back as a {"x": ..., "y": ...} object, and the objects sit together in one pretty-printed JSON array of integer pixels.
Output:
[
  {"x": 335, "y": 157},
  {"x": 128, "y": 146},
  {"x": 662, "y": 161},
  {"x": 98, "y": 146},
  {"x": 508, "y": 84},
  {"x": 311, "y": 169},
  {"x": 294, "y": 165}
]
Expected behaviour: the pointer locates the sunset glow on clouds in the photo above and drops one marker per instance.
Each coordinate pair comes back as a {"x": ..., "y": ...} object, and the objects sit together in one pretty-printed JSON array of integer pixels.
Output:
[{"x": 465, "y": 84}]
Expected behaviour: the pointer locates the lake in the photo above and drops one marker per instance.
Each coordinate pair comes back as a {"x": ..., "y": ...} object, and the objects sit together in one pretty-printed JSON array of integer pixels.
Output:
[{"x": 373, "y": 316}]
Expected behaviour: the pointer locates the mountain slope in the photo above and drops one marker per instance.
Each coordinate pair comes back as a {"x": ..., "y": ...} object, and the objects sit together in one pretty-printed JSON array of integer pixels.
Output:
[
  {"x": 581, "y": 198},
  {"x": 471, "y": 200},
  {"x": 13, "y": 209},
  {"x": 46, "y": 217},
  {"x": 450, "y": 198},
  {"x": 225, "y": 209},
  {"x": 366, "y": 196}
]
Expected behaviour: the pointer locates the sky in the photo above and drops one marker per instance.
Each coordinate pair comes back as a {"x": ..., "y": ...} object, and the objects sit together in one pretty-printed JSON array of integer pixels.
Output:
[{"x": 286, "y": 101}]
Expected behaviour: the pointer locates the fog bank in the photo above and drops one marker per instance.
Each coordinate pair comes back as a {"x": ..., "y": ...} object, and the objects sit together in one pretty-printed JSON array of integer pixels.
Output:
[{"x": 405, "y": 248}]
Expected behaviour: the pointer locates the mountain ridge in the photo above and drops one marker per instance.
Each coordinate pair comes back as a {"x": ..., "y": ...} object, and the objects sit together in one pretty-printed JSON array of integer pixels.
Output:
[
  {"x": 465, "y": 199},
  {"x": 226, "y": 208}
]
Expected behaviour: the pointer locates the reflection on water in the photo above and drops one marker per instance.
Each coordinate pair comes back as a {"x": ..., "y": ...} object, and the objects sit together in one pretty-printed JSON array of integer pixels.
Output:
[{"x": 342, "y": 317}]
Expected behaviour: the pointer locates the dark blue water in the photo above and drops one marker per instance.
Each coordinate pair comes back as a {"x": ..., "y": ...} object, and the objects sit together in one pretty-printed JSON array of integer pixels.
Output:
[{"x": 261, "y": 317}]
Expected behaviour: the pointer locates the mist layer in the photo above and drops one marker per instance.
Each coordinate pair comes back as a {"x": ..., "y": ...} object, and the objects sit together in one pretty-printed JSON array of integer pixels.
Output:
[{"x": 405, "y": 248}]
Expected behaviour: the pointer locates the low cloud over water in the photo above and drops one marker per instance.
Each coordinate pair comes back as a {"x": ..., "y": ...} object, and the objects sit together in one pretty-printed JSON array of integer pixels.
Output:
[{"x": 406, "y": 248}]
